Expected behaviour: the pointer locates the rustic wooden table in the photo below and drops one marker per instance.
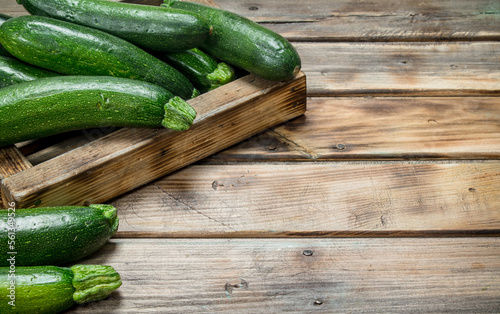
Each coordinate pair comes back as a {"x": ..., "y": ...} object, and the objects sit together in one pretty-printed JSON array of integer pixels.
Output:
[{"x": 384, "y": 197}]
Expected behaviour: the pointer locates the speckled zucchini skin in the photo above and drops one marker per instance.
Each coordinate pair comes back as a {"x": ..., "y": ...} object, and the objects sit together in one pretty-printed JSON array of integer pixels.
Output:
[
  {"x": 53, "y": 105},
  {"x": 55, "y": 235},
  {"x": 40, "y": 290},
  {"x": 52, "y": 289},
  {"x": 152, "y": 27},
  {"x": 13, "y": 71},
  {"x": 244, "y": 43},
  {"x": 73, "y": 49}
]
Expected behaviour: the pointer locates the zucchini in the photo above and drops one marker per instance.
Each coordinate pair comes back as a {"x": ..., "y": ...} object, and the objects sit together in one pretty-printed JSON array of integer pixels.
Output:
[
  {"x": 201, "y": 69},
  {"x": 52, "y": 289},
  {"x": 73, "y": 49},
  {"x": 3, "y": 51},
  {"x": 53, "y": 105},
  {"x": 244, "y": 43},
  {"x": 13, "y": 71},
  {"x": 54, "y": 235},
  {"x": 151, "y": 27}
]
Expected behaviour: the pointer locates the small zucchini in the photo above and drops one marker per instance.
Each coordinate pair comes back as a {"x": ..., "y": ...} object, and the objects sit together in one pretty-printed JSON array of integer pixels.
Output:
[
  {"x": 13, "y": 71},
  {"x": 54, "y": 235},
  {"x": 244, "y": 43},
  {"x": 53, "y": 289},
  {"x": 200, "y": 68},
  {"x": 151, "y": 27},
  {"x": 53, "y": 105},
  {"x": 73, "y": 49}
]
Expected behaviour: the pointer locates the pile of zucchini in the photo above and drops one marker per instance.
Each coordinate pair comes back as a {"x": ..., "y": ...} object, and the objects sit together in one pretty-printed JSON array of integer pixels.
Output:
[
  {"x": 36, "y": 248},
  {"x": 76, "y": 64}
]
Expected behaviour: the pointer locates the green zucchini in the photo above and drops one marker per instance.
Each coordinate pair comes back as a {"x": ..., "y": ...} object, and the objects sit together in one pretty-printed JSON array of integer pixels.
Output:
[
  {"x": 13, "y": 71},
  {"x": 3, "y": 51},
  {"x": 53, "y": 289},
  {"x": 54, "y": 235},
  {"x": 201, "y": 69},
  {"x": 53, "y": 105},
  {"x": 151, "y": 27},
  {"x": 73, "y": 49},
  {"x": 244, "y": 43}
]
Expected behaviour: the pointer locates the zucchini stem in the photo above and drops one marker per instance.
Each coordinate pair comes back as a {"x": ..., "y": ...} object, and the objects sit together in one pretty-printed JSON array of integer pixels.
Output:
[
  {"x": 179, "y": 115},
  {"x": 94, "y": 282},
  {"x": 110, "y": 213},
  {"x": 223, "y": 74}
]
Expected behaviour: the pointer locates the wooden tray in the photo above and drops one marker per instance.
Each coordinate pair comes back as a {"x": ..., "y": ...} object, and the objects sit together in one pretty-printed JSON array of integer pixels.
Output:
[{"x": 127, "y": 158}]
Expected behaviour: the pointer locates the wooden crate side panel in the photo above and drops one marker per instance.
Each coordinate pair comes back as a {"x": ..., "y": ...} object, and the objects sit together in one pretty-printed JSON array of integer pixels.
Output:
[
  {"x": 128, "y": 158},
  {"x": 12, "y": 161}
]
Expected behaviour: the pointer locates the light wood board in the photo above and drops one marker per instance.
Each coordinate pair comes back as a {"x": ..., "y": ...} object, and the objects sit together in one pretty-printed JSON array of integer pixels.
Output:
[{"x": 455, "y": 275}]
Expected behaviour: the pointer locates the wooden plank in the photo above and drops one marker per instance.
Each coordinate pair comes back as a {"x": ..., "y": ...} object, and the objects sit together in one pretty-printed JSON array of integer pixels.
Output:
[
  {"x": 377, "y": 275},
  {"x": 12, "y": 8},
  {"x": 392, "y": 69},
  {"x": 128, "y": 158},
  {"x": 386, "y": 20},
  {"x": 317, "y": 199},
  {"x": 11, "y": 162},
  {"x": 343, "y": 20},
  {"x": 354, "y": 128}
]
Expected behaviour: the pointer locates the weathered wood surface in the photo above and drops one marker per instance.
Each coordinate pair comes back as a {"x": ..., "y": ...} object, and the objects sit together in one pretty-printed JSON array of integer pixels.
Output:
[
  {"x": 389, "y": 83},
  {"x": 375, "y": 275},
  {"x": 355, "y": 128},
  {"x": 317, "y": 199},
  {"x": 131, "y": 157},
  {"x": 389, "y": 69},
  {"x": 12, "y": 162},
  {"x": 388, "y": 20}
]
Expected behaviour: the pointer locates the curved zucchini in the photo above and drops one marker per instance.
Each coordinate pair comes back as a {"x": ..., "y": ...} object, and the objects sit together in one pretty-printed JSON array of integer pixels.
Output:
[
  {"x": 52, "y": 289},
  {"x": 201, "y": 69},
  {"x": 73, "y": 49},
  {"x": 13, "y": 71},
  {"x": 244, "y": 43},
  {"x": 3, "y": 51},
  {"x": 151, "y": 27},
  {"x": 53, "y": 105},
  {"x": 55, "y": 235}
]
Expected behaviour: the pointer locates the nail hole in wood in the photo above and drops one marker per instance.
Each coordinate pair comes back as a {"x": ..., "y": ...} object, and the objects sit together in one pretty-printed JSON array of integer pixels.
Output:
[{"x": 307, "y": 252}]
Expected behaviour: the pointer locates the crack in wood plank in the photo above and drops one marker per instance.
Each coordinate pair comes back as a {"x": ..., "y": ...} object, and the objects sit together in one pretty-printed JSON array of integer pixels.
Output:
[
  {"x": 299, "y": 148},
  {"x": 191, "y": 208}
]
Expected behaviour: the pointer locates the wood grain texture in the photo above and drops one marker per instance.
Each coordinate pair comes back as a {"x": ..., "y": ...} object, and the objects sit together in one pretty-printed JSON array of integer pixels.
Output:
[
  {"x": 386, "y": 20},
  {"x": 391, "y": 69},
  {"x": 454, "y": 275},
  {"x": 128, "y": 158},
  {"x": 355, "y": 128},
  {"x": 12, "y": 161},
  {"x": 317, "y": 199}
]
